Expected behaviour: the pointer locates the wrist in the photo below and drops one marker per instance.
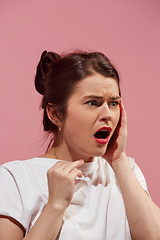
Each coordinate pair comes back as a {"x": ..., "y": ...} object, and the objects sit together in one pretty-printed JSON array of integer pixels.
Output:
[
  {"x": 55, "y": 207},
  {"x": 121, "y": 163}
]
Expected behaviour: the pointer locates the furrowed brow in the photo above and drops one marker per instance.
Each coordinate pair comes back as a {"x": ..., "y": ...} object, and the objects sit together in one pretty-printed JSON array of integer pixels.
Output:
[
  {"x": 115, "y": 98},
  {"x": 101, "y": 97},
  {"x": 93, "y": 97}
]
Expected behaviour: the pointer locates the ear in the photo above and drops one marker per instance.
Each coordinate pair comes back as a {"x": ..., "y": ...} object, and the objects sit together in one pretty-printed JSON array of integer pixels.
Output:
[{"x": 53, "y": 115}]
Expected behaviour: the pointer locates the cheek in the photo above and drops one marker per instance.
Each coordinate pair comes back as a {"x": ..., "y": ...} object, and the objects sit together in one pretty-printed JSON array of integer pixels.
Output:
[
  {"x": 80, "y": 116},
  {"x": 74, "y": 122}
]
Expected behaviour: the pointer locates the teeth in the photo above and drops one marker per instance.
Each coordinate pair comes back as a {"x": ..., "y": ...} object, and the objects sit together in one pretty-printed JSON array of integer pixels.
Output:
[{"x": 104, "y": 130}]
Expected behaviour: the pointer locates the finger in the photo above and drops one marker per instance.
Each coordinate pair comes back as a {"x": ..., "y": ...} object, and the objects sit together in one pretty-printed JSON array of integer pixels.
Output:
[
  {"x": 75, "y": 173},
  {"x": 61, "y": 164},
  {"x": 123, "y": 113},
  {"x": 57, "y": 167},
  {"x": 58, "y": 164},
  {"x": 73, "y": 165}
]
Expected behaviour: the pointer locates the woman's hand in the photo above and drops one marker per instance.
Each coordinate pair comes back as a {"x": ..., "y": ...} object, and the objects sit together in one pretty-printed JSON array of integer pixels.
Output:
[
  {"x": 61, "y": 182},
  {"x": 116, "y": 148}
]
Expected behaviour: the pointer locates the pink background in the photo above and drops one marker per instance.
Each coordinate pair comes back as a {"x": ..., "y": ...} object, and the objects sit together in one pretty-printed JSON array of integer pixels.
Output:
[{"x": 126, "y": 31}]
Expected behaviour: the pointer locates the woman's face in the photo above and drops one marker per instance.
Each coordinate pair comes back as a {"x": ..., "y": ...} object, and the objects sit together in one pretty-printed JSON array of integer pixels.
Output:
[{"x": 92, "y": 107}]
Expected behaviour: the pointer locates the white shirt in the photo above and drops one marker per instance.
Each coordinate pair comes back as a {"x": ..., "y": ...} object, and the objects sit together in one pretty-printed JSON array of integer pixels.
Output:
[{"x": 96, "y": 212}]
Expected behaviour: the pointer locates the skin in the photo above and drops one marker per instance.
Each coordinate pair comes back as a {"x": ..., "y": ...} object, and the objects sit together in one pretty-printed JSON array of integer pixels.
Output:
[
  {"x": 82, "y": 120},
  {"x": 85, "y": 115}
]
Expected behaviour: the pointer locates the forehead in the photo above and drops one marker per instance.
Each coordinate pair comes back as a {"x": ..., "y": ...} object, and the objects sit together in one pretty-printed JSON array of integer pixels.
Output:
[{"x": 97, "y": 84}]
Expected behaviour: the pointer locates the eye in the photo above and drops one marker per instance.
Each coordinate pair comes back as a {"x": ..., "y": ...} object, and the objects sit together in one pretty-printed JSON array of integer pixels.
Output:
[
  {"x": 113, "y": 104},
  {"x": 92, "y": 103}
]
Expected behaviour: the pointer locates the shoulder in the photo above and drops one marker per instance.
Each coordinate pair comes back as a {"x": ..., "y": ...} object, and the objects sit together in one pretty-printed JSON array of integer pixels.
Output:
[
  {"x": 34, "y": 164},
  {"x": 26, "y": 173}
]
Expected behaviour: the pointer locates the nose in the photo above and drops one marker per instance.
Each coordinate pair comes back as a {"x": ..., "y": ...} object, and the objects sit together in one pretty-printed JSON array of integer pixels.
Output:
[{"x": 105, "y": 114}]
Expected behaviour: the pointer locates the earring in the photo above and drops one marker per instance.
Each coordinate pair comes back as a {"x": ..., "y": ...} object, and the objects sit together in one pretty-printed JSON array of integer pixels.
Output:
[{"x": 60, "y": 128}]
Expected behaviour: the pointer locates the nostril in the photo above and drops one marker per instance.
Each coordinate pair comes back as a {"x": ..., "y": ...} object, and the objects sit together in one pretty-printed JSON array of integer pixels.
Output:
[
  {"x": 105, "y": 115},
  {"x": 106, "y": 118}
]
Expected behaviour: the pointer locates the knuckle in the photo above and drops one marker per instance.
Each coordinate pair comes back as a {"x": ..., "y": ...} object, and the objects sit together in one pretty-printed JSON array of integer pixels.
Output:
[
  {"x": 51, "y": 172},
  {"x": 78, "y": 171}
]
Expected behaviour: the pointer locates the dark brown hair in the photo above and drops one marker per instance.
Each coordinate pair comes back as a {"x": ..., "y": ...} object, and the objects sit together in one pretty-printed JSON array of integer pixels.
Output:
[{"x": 57, "y": 76}]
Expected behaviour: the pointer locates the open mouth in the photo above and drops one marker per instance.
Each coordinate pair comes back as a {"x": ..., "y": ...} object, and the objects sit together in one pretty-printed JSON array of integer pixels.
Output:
[{"x": 102, "y": 135}]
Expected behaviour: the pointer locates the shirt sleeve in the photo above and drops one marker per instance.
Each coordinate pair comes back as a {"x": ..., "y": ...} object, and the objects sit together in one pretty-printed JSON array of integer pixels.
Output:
[
  {"x": 138, "y": 173},
  {"x": 10, "y": 200}
]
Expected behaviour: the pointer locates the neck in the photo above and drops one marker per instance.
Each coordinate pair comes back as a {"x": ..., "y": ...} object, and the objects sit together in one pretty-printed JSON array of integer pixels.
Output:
[{"x": 63, "y": 152}]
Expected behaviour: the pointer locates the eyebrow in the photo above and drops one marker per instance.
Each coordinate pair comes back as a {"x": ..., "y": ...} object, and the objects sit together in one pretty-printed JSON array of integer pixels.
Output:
[{"x": 101, "y": 97}]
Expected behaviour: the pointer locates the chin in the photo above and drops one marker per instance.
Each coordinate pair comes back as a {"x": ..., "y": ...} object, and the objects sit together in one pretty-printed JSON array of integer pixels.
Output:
[
  {"x": 92, "y": 152},
  {"x": 98, "y": 153}
]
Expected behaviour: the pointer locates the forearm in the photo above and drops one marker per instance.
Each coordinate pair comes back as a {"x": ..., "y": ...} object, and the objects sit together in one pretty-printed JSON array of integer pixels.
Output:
[
  {"x": 48, "y": 224},
  {"x": 143, "y": 215},
  {"x": 61, "y": 184}
]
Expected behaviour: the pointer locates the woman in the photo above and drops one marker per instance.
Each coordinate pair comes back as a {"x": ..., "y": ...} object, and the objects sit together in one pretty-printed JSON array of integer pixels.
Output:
[{"x": 84, "y": 186}]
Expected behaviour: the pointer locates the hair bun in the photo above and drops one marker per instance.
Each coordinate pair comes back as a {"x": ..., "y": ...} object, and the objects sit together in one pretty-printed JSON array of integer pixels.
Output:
[{"x": 47, "y": 58}]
